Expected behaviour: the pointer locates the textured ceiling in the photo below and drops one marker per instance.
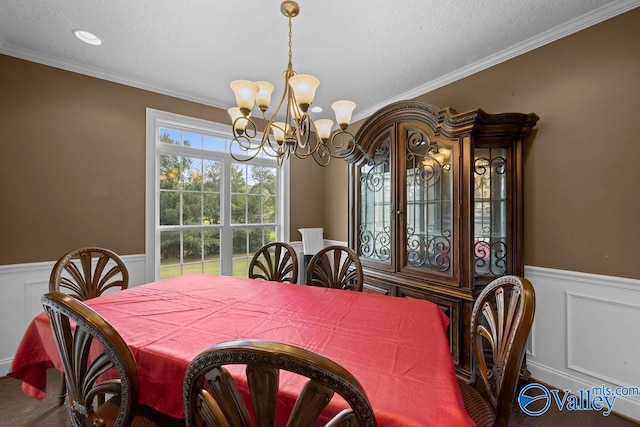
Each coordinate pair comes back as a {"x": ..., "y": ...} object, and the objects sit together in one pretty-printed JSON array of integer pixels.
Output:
[{"x": 370, "y": 51}]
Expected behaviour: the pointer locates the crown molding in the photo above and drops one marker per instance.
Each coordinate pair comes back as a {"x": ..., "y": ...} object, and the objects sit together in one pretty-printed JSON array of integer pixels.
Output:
[
  {"x": 102, "y": 74},
  {"x": 601, "y": 14}
]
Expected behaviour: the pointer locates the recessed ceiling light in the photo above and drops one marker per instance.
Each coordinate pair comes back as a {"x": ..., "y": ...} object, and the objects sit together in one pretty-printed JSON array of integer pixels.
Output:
[
  {"x": 316, "y": 109},
  {"x": 87, "y": 37}
]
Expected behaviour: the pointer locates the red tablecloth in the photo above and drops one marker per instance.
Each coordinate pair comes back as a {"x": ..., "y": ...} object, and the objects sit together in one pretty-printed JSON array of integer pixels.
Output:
[{"x": 396, "y": 347}]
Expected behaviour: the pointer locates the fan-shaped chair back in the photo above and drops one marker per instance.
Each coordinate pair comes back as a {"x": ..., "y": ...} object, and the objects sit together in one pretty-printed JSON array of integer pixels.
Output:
[
  {"x": 275, "y": 261},
  {"x": 84, "y": 371},
  {"x": 88, "y": 272},
  {"x": 212, "y": 396},
  {"x": 336, "y": 267},
  {"x": 500, "y": 323}
]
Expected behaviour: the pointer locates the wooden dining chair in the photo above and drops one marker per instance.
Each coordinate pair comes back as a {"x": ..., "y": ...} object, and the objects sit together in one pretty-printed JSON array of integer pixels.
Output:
[
  {"x": 75, "y": 274},
  {"x": 275, "y": 261},
  {"x": 500, "y": 323},
  {"x": 212, "y": 396},
  {"x": 100, "y": 371},
  {"x": 337, "y": 267}
]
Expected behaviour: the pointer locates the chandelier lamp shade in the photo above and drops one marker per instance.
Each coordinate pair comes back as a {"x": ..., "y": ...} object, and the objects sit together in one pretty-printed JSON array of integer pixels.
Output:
[{"x": 297, "y": 134}]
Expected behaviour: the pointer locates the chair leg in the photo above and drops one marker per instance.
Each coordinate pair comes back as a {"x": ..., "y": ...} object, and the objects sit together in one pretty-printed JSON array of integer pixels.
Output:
[{"x": 62, "y": 396}]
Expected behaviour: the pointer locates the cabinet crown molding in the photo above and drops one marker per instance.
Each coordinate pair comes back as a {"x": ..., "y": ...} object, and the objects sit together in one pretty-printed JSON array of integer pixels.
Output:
[{"x": 443, "y": 121}]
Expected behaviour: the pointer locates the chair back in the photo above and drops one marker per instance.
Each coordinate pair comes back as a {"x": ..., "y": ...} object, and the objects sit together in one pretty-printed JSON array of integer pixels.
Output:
[
  {"x": 97, "y": 362},
  {"x": 212, "y": 396},
  {"x": 336, "y": 267},
  {"x": 500, "y": 323},
  {"x": 75, "y": 272},
  {"x": 275, "y": 261}
]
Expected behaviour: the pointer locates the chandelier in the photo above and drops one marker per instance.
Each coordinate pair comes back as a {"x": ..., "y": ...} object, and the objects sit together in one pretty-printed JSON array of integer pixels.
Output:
[{"x": 298, "y": 134}]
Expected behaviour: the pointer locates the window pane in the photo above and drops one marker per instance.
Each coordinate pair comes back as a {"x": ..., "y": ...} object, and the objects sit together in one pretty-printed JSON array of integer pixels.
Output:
[
  {"x": 215, "y": 143},
  {"x": 211, "y": 245},
  {"x": 169, "y": 172},
  {"x": 169, "y": 248},
  {"x": 192, "y": 245},
  {"x": 211, "y": 209},
  {"x": 169, "y": 208},
  {"x": 192, "y": 208},
  {"x": 238, "y": 209},
  {"x": 253, "y": 179},
  {"x": 239, "y": 241},
  {"x": 256, "y": 240},
  {"x": 240, "y": 260},
  {"x": 263, "y": 179},
  {"x": 191, "y": 139},
  {"x": 254, "y": 209},
  {"x": 270, "y": 234},
  {"x": 171, "y": 271},
  {"x": 169, "y": 136},
  {"x": 211, "y": 175},
  {"x": 211, "y": 252},
  {"x": 212, "y": 267},
  {"x": 269, "y": 209},
  {"x": 192, "y": 268},
  {"x": 192, "y": 174},
  {"x": 238, "y": 178},
  {"x": 240, "y": 266}
]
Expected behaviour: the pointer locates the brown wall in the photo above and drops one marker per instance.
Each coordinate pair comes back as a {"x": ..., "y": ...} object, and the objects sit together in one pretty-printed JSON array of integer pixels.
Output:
[
  {"x": 307, "y": 197},
  {"x": 73, "y": 163},
  {"x": 581, "y": 165},
  {"x": 73, "y": 155}
]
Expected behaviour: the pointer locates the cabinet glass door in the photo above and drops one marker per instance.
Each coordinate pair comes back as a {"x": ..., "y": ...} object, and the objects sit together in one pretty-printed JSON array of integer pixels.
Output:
[
  {"x": 429, "y": 208},
  {"x": 490, "y": 212},
  {"x": 374, "y": 229}
]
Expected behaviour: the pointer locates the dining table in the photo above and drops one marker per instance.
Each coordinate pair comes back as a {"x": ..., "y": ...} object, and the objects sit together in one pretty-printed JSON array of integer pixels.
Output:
[{"x": 397, "y": 348}]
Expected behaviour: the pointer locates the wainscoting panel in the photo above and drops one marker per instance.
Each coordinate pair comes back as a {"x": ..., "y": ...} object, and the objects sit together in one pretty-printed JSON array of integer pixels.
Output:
[
  {"x": 585, "y": 333},
  {"x": 604, "y": 357},
  {"x": 22, "y": 286},
  {"x": 33, "y": 290}
]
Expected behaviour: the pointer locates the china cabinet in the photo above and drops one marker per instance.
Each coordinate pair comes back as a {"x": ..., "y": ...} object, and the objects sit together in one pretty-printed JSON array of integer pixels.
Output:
[{"x": 436, "y": 206}]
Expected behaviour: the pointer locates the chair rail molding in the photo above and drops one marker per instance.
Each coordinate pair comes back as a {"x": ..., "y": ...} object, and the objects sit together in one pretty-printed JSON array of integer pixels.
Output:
[{"x": 585, "y": 333}]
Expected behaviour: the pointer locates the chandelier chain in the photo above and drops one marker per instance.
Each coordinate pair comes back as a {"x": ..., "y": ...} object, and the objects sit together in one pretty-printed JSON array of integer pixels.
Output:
[{"x": 290, "y": 41}]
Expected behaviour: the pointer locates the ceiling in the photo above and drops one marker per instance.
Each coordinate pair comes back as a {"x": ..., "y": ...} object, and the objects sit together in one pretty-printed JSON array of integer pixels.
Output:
[{"x": 370, "y": 51}]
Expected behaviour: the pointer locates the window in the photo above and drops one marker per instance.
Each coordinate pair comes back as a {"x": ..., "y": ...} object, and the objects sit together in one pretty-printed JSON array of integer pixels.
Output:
[{"x": 207, "y": 212}]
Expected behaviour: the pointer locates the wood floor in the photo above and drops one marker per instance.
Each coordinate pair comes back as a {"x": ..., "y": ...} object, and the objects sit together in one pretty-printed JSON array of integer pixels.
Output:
[{"x": 18, "y": 410}]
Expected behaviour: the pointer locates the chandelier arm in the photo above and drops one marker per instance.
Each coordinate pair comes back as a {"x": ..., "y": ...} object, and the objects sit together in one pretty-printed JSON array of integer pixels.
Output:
[
  {"x": 244, "y": 144},
  {"x": 303, "y": 133},
  {"x": 341, "y": 144},
  {"x": 320, "y": 156},
  {"x": 339, "y": 148},
  {"x": 287, "y": 73},
  {"x": 250, "y": 131},
  {"x": 272, "y": 148}
]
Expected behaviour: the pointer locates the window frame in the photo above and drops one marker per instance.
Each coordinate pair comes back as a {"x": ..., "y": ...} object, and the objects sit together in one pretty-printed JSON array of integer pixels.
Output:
[{"x": 156, "y": 119}]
